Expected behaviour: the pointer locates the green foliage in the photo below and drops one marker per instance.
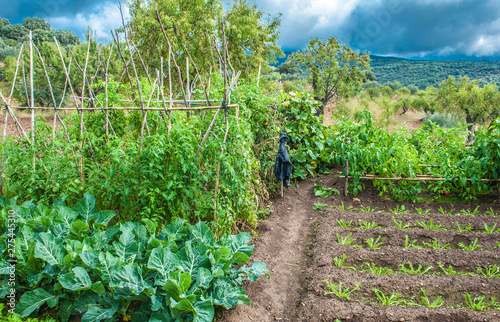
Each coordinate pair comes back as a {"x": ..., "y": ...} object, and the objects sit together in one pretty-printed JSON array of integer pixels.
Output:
[
  {"x": 336, "y": 69},
  {"x": 345, "y": 240},
  {"x": 309, "y": 149},
  {"x": 363, "y": 224},
  {"x": 374, "y": 269},
  {"x": 319, "y": 206},
  {"x": 374, "y": 243},
  {"x": 473, "y": 246},
  {"x": 468, "y": 228},
  {"x": 344, "y": 224},
  {"x": 431, "y": 225},
  {"x": 427, "y": 303},
  {"x": 74, "y": 258},
  {"x": 478, "y": 303},
  {"x": 447, "y": 271},
  {"x": 339, "y": 261},
  {"x": 436, "y": 245},
  {"x": 387, "y": 300},
  {"x": 14, "y": 317},
  {"x": 489, "y": 271},
  {"x": 491, "y": 230},
  {"x": 399, "y": 224},
  {"x": 412, "y": 244},
  {"x": 321, "y": 192},
  {"x": 341, "y": 293},
  {"x": 412, "y": 270}
]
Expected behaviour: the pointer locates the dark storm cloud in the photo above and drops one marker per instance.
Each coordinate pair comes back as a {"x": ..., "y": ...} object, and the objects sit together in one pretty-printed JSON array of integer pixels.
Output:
[
  {"x": 428, "y": 29},
  {"x": 16, "y": 11},
  {"x": 419, "y": 28}
]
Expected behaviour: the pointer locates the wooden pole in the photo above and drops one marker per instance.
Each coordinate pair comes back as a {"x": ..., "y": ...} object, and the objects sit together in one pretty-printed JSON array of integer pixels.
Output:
[
  {"x": 281, "y": 188},
  {"x": 346, "y": 177},
  {"x": 32, "y": 100},
  {"x": 213, "y": 107},
  {"x": 370, "y": 177}
]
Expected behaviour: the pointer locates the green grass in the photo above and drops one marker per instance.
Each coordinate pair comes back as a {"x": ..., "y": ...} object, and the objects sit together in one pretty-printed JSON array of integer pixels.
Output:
[
  {"x": 431, "y": 225},
  {"x": 363, "y": 224},
  {"x": 468, "y": 228},
  {"x": 344, "y": 224},
  {"x": 420, "y": 211},
  {"x": 399, "y": 210},
  {"x": 490, "y": 271},
  {"x": 372, "y": 268},
  {"x": 412, "y": 244},
  {"x": 444, "y": 212},
  {"x": 319, "y": 206},
  {"x": 491, "y": 230}
]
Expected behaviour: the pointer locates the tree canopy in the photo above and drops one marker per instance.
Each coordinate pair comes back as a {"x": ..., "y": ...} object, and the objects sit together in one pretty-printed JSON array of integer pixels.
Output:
[
  {"x": 467, "y": 98},
  {"x": 200, "y": 26},
  {"x": 336, "y": 69}
]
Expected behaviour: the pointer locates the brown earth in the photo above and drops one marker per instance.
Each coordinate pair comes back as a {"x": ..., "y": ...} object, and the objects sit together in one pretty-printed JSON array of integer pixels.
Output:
[{"x": 299, "y": 245}]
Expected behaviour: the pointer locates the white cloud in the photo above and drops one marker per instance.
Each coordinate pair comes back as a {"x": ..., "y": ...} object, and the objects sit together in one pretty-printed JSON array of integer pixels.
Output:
[{"x": 101, "y": 20}]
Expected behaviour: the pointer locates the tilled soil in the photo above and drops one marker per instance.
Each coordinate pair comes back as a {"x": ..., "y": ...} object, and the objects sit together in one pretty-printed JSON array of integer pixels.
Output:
[{"x": 300, "y": 244}]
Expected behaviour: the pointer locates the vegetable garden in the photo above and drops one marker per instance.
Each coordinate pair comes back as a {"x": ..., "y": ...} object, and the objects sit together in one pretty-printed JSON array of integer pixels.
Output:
[{"x": 136, "y": 190}]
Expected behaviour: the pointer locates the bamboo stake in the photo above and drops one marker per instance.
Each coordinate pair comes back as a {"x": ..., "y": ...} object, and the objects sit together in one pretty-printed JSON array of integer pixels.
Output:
[
  {"x": 419, "y": 179},
  {"x": 171, "y": 53},
  {"x": 76, "y": 102},
  {"x": 212, "y": 107},
  {"x": 7, "y": 119},
  {"x": 145, "y": 117},
  {"x": 32, "y": 99},
  {"x": 215, "y": 117},
  {"x": 56, "y": 113},
  {"x": 170, "y": 91},
  {"x": 117, "y": 41}
]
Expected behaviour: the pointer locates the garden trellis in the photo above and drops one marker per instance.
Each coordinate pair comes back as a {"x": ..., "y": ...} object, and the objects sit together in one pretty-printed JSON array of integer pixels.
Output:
[{"x": 162, "y": 94}]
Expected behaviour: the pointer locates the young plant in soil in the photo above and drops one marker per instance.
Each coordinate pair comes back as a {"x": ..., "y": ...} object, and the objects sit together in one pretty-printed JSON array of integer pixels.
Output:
[
  {"x": 363, "y": 224},
  {"x": 367, "y": 209},
  {"x": 319, "y": 206},
  {"x": 467, "y": 212},
  {"x": 399, "y": 210},
  {"x": 341, "y": 293},
  {"x": 436, "y": 245},
  {"x": 372, "y": 268},
  {"x": 468, "y": 228},
  {"x": 431, "y": 225},
  {"x": 491, "y": 212},
  {"x": 414, "y": 271},
  {"x": 420, "y": 211},
  {"x": 321, "y": 192},
  {"x": 427, "y": 303},
  {"x": 444, "y": 212},
  {"x": 342, "y": 207},
  {"x": 343, "y": 224},
  {"x": 387, "y": 300},
  {"x": 374, "y": 243},
  {"x": 399, "y": 224},
  {"x": 490, "y": 271},
  {"x": 491, "y": 230},
  {"x": 412, "y": 244},
  {"x": 339, "y": 261},
  {"x": 345, "y": 240},
  {"x": 447, "y": 271},
  {"x": 473, "y": 246},
  {"x": 478, "y": 304}
]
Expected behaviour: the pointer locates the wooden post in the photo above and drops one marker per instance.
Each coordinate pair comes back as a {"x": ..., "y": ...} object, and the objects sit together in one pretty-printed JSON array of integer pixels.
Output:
[
  {"x": 346, "y": 176},
  {"x": 258, "y": 76},
  {"x": 281, "y": 188},
  {"x": 32, "y": 99}
]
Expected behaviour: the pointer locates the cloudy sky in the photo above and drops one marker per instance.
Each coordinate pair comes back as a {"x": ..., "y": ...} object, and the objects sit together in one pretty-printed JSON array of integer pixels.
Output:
[{"x": 429, "y": 29}]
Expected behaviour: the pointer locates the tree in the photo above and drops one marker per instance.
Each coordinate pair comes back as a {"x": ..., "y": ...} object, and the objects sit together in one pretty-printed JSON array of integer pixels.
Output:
[
  {"x": 467, "y": 98},
  {"x": 196, "y": 25},
  {"x": 36, "y": 24},
  {"x": 4, "y": 22},
  {"x": 336, "y": 70},
  {"x": 15, "y": 32}
]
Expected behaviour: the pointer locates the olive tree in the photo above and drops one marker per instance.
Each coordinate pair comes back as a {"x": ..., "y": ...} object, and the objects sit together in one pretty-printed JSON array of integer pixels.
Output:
[
  {"x": 336, "y": 69},
  {"x": 467, "y": 98}
]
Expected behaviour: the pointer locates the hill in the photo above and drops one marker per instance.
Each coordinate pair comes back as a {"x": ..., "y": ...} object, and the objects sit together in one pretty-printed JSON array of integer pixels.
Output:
[{"x": 423, "y": 73}]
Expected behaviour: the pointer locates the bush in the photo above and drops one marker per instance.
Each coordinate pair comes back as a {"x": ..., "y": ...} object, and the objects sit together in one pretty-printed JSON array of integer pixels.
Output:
[{"x": 445, "y": 120}]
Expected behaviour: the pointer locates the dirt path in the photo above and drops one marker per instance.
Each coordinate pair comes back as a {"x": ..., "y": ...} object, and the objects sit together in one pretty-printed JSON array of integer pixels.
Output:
[{"x": 280, "y": 245}]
